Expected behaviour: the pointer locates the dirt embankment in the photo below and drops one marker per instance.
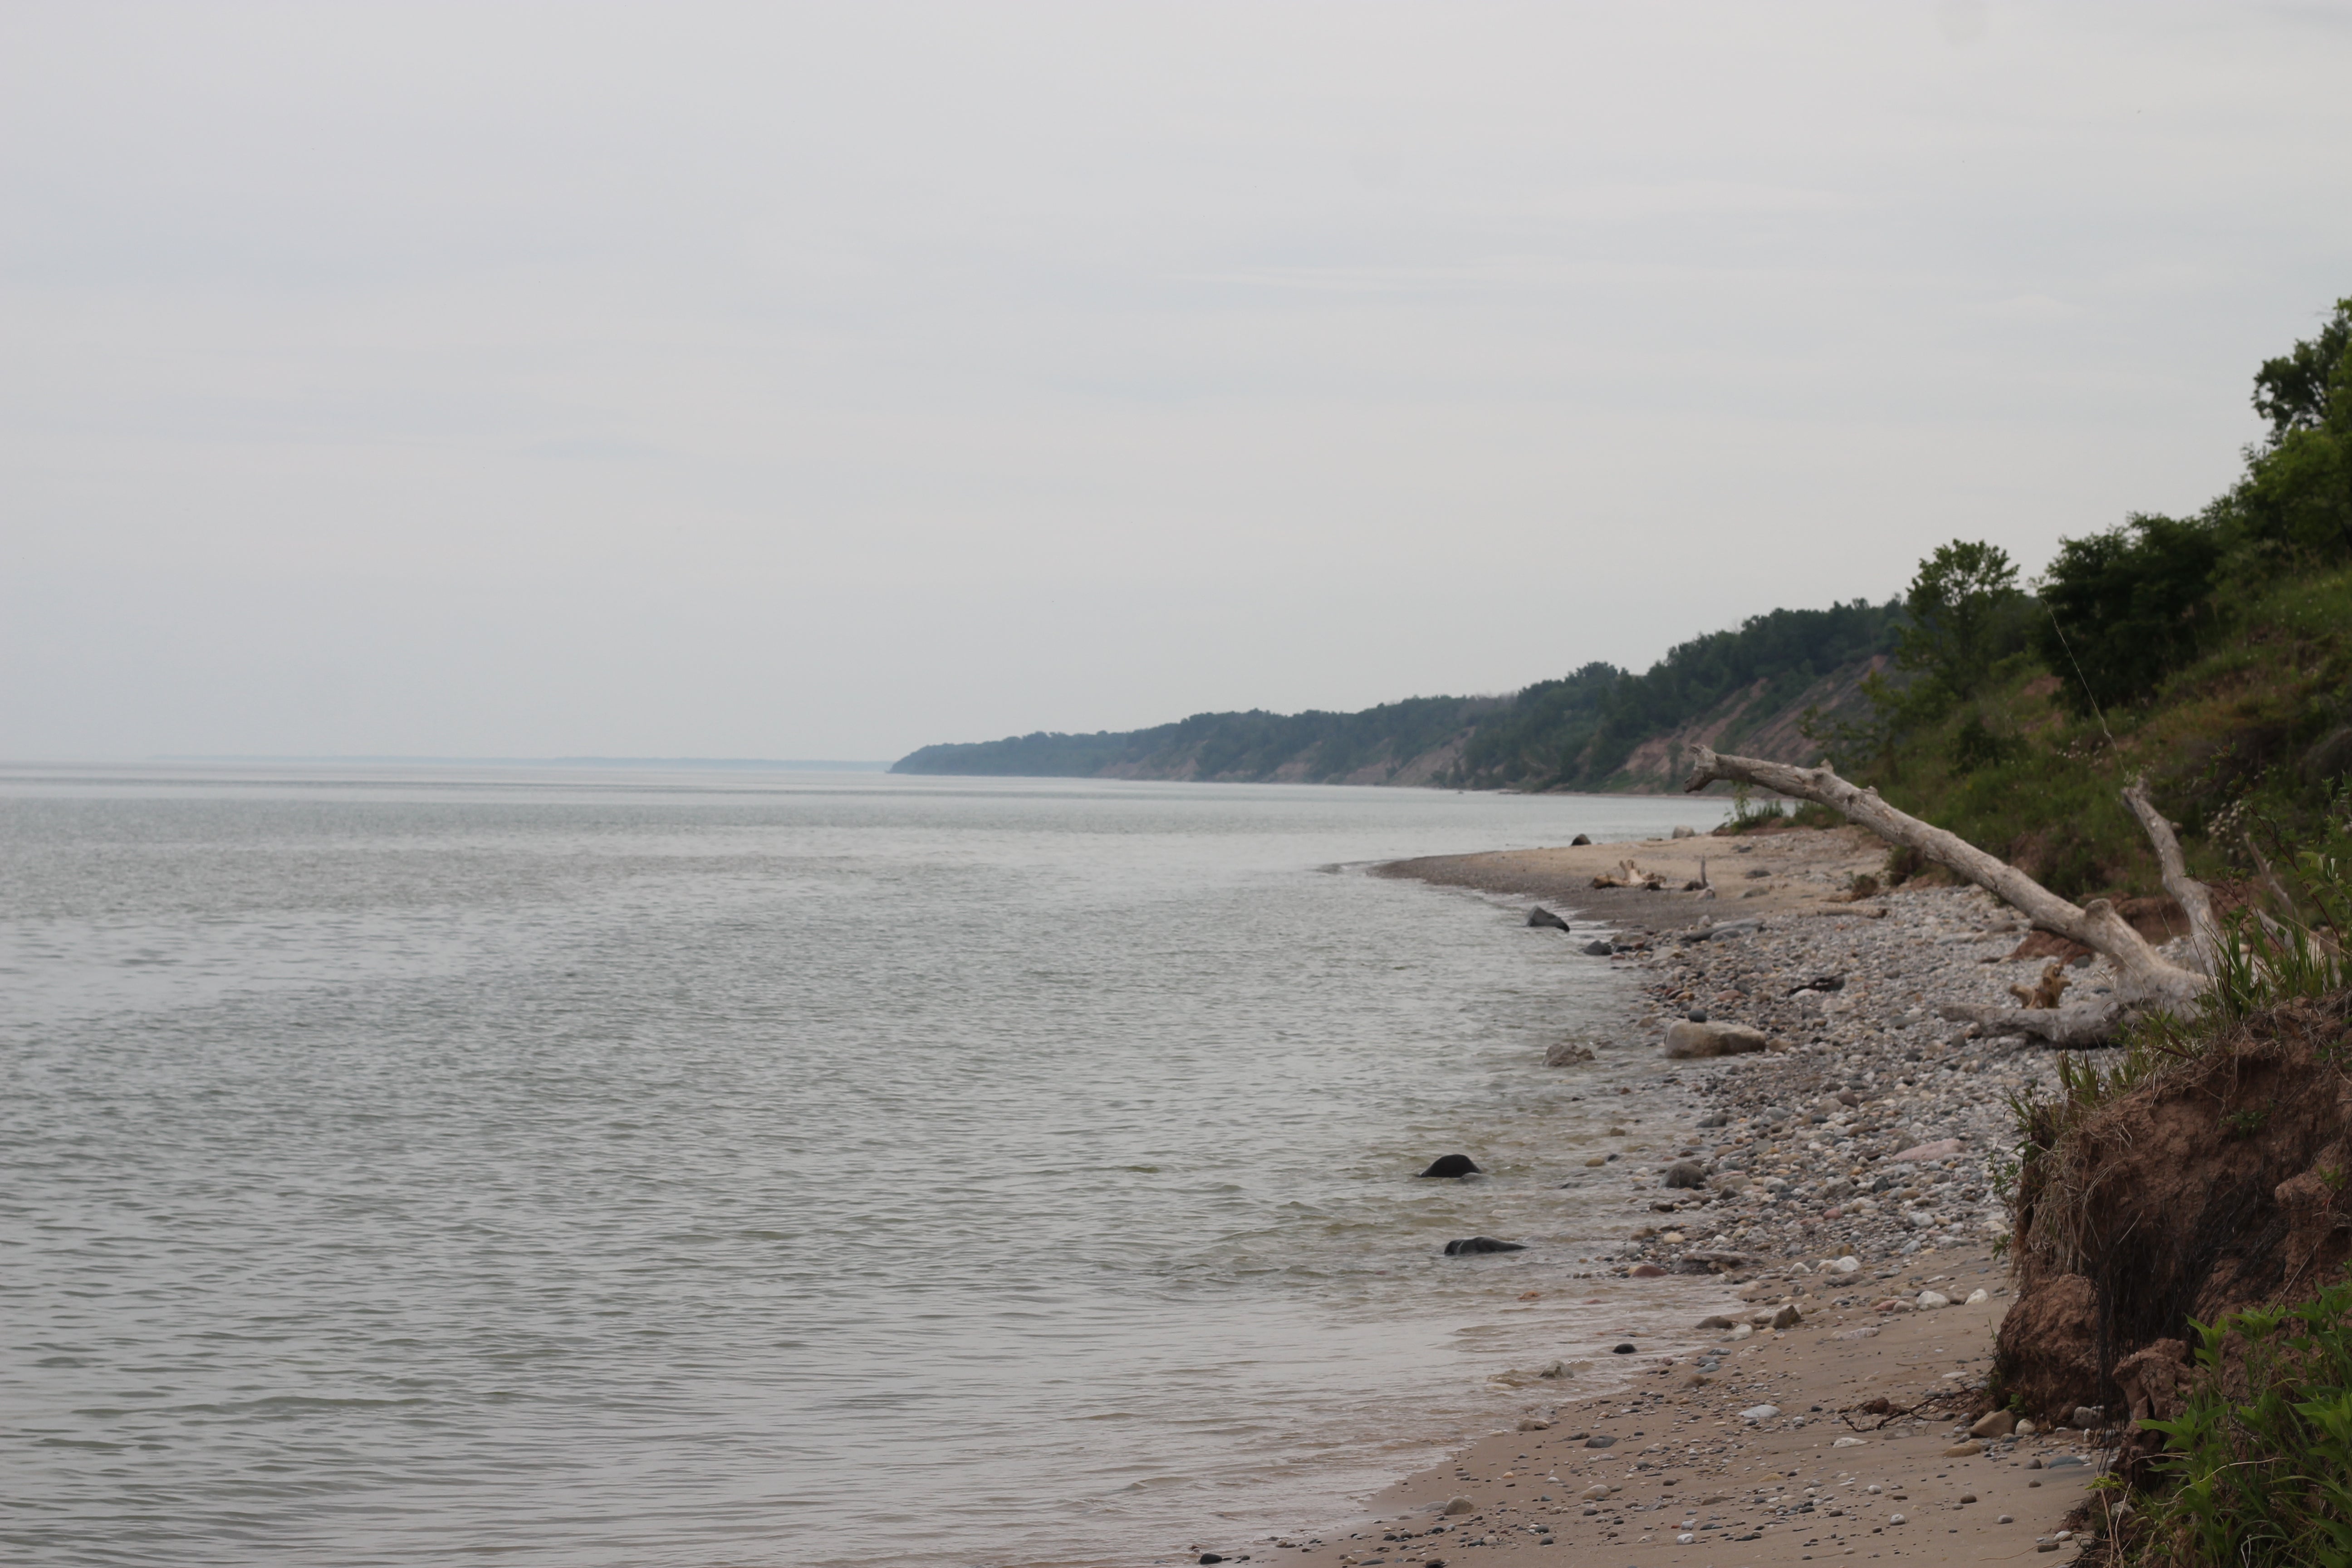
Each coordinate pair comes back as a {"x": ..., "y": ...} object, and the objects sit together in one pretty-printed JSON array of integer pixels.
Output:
[{"x": 2219, "y": 1185}]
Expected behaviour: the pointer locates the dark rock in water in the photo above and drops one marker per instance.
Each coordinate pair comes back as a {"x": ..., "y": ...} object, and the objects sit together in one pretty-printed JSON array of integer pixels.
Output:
[
  {"x": 1540, "y": 916},
  {"x": 1567, "y": 1053},
  {"x": 1212, "y": 1557},
  {"x": 1625, "y": 1348},
  {"x": 1453, "y": 1165},
  {"x": 1685, "y": 1173},
  {"x": 1580, "y": 838},
  {"x": 1478, "y": 1244},
  {"x": 1598, "y": 949}
]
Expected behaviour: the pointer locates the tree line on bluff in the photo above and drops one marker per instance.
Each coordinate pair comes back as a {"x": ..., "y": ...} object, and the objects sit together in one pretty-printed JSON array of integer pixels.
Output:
[{"x": 1969, "y": 689}]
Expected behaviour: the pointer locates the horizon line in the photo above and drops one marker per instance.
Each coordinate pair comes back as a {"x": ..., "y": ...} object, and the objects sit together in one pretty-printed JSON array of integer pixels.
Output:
[{"x": 811, "y": 764}]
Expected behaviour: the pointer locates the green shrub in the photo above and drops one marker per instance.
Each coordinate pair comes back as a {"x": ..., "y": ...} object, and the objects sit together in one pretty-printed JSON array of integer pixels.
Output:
[{"x": 2263, "y": 1480}]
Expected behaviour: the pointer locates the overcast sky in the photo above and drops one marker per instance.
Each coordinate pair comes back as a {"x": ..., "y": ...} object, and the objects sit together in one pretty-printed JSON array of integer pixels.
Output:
[{"x": 822, "y": 381}]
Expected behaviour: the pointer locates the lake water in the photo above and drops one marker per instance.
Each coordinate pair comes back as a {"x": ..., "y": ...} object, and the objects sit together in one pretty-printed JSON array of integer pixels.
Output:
[{"x": 414, "y": 1167}]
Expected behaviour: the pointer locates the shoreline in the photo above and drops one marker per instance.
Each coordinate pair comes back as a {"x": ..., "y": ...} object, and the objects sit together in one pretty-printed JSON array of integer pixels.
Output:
[{"x": 1867, "y": 1129}]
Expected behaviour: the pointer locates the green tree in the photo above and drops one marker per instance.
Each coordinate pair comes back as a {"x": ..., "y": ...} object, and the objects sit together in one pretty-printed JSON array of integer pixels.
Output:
[
  {"x": 1962, "y": 605},
  {"x": 2292, "y": 511},
  {"x": 2124, "y": 608},
  {"x": 2304, "y": 389}
]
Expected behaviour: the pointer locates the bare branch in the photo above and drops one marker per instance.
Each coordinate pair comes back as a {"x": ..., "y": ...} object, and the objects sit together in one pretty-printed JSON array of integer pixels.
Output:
[
  {"x": 2204, "y": 929},
  {"x": 2141, "y": 972},
  {"x": 2085, "y": 1024}
]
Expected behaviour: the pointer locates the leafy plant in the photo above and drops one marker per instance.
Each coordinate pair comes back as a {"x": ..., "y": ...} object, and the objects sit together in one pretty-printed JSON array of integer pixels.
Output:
[
  {"x": 2261, "y": 1477},
  {"x": 2247, "y": 1123},
  {"x": 1956, "y": 604}
]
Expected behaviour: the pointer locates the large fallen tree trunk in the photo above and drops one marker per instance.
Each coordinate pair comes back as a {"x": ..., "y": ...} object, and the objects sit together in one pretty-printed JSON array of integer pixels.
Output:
[{"x": 2145, "y": 977}]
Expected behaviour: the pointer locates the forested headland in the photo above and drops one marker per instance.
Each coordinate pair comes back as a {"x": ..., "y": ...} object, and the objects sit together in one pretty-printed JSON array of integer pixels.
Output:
[
  {"x": 2212, "y": 651},
  {"x": 1590, "y": 730}
]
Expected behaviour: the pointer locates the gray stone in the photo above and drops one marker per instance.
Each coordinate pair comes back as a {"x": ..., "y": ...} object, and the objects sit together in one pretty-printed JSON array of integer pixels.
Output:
[{"x": 1685, "y": 1173}]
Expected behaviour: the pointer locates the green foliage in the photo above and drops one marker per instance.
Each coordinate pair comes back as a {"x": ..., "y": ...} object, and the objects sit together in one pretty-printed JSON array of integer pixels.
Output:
[
  {"x": 2303, "y": 389},
  {"x": 1963, "y": 607},
  {"x": 1254, "y": 745},
  {"x": 1574, "y": 732},
  {"x": 2261, "y": 1480},
  {"x": 1544, "y": 733},
  {"x": 2292, "y": 510},
  {"x": 2123, "y": 608},
  {"x": 1748, "y": 813},
  {"x": 1577, "y": 733},
  {"x": 1973, "y": 746}
]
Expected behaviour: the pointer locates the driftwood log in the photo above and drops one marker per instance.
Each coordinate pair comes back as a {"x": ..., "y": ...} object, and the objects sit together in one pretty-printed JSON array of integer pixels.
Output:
[{"x": 2144, "y": 977}]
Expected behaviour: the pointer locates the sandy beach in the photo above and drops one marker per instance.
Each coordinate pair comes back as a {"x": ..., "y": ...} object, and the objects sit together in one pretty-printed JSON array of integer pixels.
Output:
[{"x": 1837, "y": 1183}]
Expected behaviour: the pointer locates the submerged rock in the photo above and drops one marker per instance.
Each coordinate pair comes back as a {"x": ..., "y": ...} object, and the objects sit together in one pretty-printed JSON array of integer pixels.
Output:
[
  {"x": 1453, "y": 1165},
  {"x": 1477, "y": 1243},
  {"x": 1567, "y": 1053},
  {"x": 1540, "y": 916}
]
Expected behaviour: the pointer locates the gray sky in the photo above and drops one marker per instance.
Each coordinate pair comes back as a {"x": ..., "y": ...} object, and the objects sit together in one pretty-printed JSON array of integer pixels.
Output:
[{"x": 522, "y": 380}]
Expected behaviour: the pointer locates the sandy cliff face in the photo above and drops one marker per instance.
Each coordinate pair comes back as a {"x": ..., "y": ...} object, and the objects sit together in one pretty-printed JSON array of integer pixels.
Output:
[{"x": 1739, "y": 723}]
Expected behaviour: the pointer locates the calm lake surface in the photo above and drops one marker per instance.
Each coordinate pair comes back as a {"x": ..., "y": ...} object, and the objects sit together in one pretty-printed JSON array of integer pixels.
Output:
[{"x": 414, "y": 1167}]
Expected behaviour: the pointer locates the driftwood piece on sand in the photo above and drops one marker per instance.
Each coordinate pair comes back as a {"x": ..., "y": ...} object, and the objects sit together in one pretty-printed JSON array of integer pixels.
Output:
[
  {"x": 1629, "y": 875},
  {"x": 2144, "y": 976}
]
